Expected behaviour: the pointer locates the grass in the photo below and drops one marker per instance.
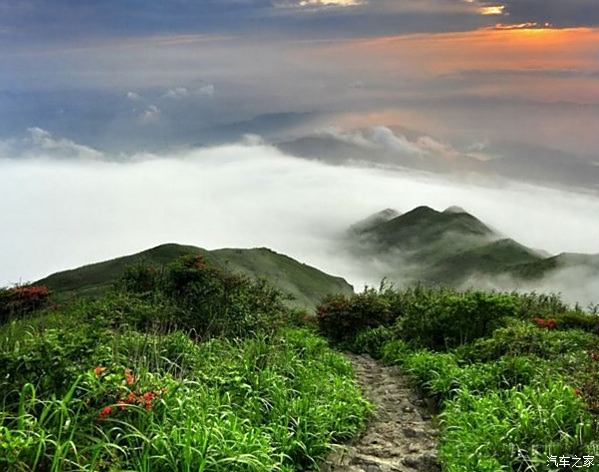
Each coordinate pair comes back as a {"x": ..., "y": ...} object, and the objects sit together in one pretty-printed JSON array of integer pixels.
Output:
[
  {"x": 115, "y": 384},
  {"x": 511, "y": 388}
]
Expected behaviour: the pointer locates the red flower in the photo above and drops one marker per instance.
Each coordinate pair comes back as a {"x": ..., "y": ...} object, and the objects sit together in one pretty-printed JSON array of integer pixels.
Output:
[
  {"x": 131, "y": 397},
  {"x": 105, "y": 412},
  {"x": 549, "y": 324},
  {"x": 99, "y": 370},
  {"x": 148, "y": 396},
  {"x": 122, "y": 404}
]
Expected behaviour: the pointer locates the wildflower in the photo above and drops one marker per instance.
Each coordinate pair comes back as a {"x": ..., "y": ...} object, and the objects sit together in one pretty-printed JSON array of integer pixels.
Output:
[
  {"x": 105, "y": 412},
  {"x": 148, "y": 396},
  {"x": 131, "y": 397},
  {"x": 99, "y": 370},
  {"x": 148, "y": 406},
  {"x": 129, "y": 377},
  {"x": 122, "y": 404}
]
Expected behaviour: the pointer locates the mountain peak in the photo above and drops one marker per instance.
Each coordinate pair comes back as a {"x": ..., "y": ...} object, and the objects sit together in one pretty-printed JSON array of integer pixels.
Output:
[
  {"x": 454, "y": 209},
  {"x": 372, "y": 221},
  {"x": 423, "y": 230}
]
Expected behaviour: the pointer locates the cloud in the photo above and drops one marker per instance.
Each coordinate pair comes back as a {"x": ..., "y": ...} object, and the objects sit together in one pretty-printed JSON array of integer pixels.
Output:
[
  {"x": 133, "y": 96},
  {"x": 64, "y": 213},
  {"x": 150, "y": 115},
  {"x": 176, "y": 93},
  {"x": 206, "y": 90},
  {"x": 42, "y": 142},
  {"x": 386, "y": 140},
  {"x": 317, "y": 3}
]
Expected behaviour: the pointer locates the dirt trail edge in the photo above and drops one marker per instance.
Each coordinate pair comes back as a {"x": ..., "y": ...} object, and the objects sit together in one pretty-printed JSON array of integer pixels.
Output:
[{"x": 401, "y": 437}]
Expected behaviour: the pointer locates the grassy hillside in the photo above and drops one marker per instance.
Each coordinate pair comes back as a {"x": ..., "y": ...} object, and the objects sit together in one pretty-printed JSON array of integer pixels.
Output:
[
  {"x": 190, "y": 368},
  {"x": 304, "y": 283}
]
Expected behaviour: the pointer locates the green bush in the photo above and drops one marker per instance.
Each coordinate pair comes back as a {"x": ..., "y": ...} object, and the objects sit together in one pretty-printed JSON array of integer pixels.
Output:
[
  {"x": 371, "y": 341},
  {"x": 524, "y": 338},
  {"x": 341, "y": 318},
  {"x": 451, "y": 319},
  {"x": 577, "y": 320},
  {"x": 21, "y": 300}
]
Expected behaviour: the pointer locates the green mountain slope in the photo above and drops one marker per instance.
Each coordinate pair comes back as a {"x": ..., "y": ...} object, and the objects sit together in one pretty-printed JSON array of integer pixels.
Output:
[
  {"x": 306, "y": 284},
  {"x": 423, "y": 226},
  {"x": 450, "y": 248},
  {"x": 497, "y": 257}
]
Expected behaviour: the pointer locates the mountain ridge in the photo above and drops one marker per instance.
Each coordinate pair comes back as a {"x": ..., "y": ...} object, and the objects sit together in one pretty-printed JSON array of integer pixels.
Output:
[
  {"x": 452, "y": 247},
  {"x": 305, "y": 283}
]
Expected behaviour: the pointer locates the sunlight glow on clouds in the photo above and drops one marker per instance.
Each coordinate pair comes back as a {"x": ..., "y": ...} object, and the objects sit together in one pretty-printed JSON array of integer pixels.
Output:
[
  {"x": 492, "y": 10},
  {"x": 318, "y": 3}
]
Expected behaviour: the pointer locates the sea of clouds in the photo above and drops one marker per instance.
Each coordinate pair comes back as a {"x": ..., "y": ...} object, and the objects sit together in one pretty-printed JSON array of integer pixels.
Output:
[{"x": 63, "y": 205}]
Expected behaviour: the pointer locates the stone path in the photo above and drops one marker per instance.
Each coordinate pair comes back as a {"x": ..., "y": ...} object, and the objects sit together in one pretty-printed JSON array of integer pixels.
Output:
[{"x": 401, "y": 437}]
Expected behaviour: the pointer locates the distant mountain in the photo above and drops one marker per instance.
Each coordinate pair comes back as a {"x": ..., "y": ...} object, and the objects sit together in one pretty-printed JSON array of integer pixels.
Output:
[
  {"x": 304, "y": 283},
  {"x": 373, "y": 221},
  {"x": 451, "y": 248},
  {"x": 407, "y": 148}
]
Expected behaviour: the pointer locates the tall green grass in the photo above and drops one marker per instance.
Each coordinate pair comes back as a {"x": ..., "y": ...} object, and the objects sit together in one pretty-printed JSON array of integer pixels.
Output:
[{"x": 511, "y": 389}]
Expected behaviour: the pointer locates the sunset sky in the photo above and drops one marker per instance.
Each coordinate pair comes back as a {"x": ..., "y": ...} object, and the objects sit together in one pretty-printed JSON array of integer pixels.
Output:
[
  {"x": 125, "y": 76},
  {"x": 129, "y": 123}
]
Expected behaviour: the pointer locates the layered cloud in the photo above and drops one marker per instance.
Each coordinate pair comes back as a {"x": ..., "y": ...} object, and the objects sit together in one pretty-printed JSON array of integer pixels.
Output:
[{"x": 60, "y": 213}]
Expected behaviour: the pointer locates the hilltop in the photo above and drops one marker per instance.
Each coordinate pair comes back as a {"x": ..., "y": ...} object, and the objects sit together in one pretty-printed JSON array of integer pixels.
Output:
[
  {"x": 307, "y": 285},
  {"x": 452, "y": 247}
]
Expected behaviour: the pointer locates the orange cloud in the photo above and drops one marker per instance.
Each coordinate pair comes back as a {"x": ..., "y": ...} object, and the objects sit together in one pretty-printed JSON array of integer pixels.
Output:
[{"x": 426, "y": 56}]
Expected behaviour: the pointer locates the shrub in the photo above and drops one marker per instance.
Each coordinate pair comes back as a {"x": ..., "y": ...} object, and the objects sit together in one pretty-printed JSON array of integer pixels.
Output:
[
  {"x": 341, "y": 318},
  {"x": 371, "y": 341},
  {"x": 450, "y": 319},
  {"x": 193, "y": 296},
  {"x": 577, "y": 320},
  {"x": 524, "y": 338},
  {"x": 538, "y": 305},
  {"x": 22, "y": 299}
]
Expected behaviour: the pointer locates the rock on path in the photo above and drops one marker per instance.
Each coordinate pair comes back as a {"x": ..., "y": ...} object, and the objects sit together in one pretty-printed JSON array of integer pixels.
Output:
[{"x": 400, "y": 438}]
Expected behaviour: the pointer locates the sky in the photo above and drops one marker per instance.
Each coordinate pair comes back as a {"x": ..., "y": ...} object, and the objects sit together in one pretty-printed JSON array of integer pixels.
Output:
[{"x": 484, "y": 94}]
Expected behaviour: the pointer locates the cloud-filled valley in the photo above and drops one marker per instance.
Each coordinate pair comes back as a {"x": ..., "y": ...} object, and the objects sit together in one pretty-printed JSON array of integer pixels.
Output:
[{"x": 61, "y": 213}]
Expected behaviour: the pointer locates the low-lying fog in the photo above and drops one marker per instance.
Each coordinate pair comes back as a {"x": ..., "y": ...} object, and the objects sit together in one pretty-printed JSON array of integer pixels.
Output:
[{"x": 58, "y": 213}]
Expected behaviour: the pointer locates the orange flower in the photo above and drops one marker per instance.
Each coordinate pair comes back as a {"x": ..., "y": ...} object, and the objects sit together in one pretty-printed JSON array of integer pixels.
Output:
[
  {"x": 129, "y": 377},
  {"x": 99, "y": 370}
]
